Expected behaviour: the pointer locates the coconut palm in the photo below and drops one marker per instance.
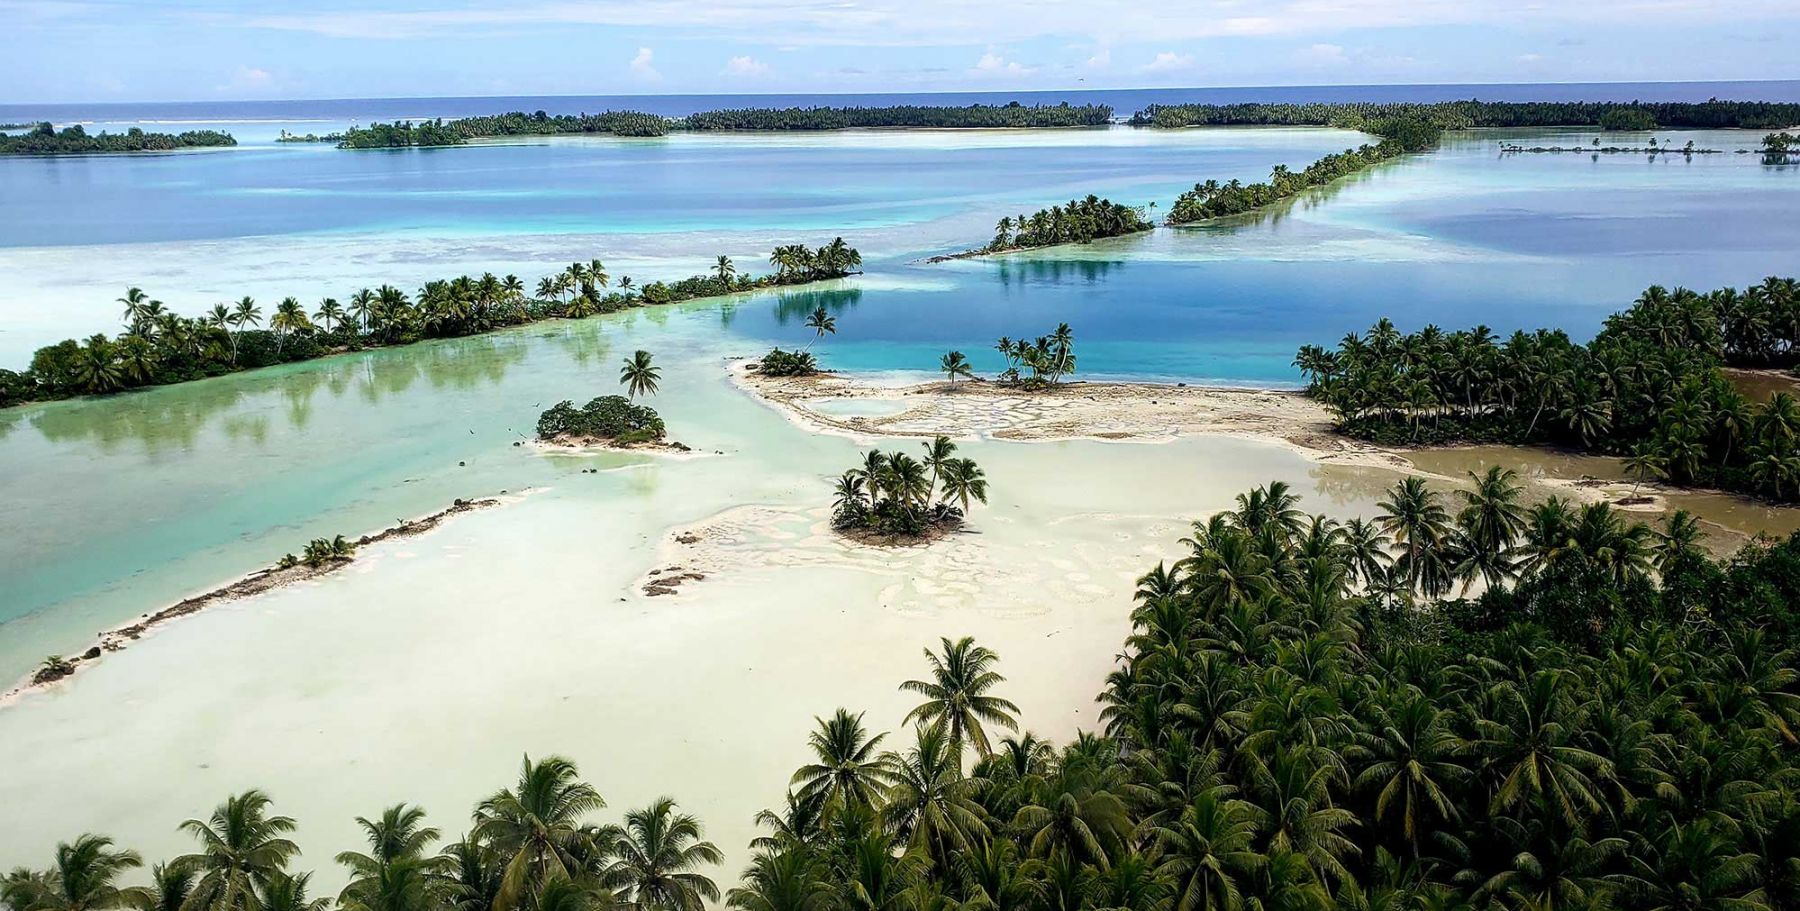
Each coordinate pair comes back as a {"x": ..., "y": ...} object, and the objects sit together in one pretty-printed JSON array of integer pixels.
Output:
[
  {"x": 783, "y": 881},
  {"x": 84, "y": 878},
  {"x": 1208, "y": 854},
  {"x": 639, "y": 376},
  {"x": 287, "y": 892},
  {"x": 659, "y": 852},
  {"x": 954, "y": 364},
  {"x": 930, "y": 804},
  {"x": 957, "y": 695},
  {"x": 822, "y": 324},
  {"x": 396, "y": 874},
  {"x": 242, "y": 849},
  {"x": 846, "y": 771},
  {"x": 724, "y": 269},
  {"x": 964, "y": 481},
  {"x": 536, "y": 827}
]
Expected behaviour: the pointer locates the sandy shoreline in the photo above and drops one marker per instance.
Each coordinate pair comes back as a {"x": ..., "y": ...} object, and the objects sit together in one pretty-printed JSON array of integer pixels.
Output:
[
  {"x": 1114, "y": 412},
  {"x": 256, "y": 583}
]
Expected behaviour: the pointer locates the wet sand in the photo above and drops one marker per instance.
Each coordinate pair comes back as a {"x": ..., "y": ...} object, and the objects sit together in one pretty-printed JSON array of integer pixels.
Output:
[{"x": 1114, "y": 412}]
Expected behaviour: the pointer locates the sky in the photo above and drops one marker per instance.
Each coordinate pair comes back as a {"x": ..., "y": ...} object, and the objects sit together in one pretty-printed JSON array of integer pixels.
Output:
[{"x": 198, "y": 50}]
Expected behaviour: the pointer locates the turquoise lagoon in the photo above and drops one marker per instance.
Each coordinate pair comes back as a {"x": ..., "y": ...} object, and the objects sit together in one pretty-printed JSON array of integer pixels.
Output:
[{"x": 136, "y": 500}]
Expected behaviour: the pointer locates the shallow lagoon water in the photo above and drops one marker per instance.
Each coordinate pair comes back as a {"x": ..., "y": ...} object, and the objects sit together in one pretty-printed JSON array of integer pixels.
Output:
[{"x": 474, "y": 642}]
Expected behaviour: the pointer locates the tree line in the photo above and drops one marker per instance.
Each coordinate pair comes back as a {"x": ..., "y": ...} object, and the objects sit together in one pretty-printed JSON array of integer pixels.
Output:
[
  {"x": 973, "y": 116},
  {"x": 159, "y": 346},
  {"x": 1399, "y": 136},
  {"x": 636, "y": 123},
  {"x": 1300, "y": 720},
  {"x": 1079, "y": 221},
  {"x": 45, "y": 139},
  {"x": 1462, "y": 115},
  {"x": 1648, "y": 387}
]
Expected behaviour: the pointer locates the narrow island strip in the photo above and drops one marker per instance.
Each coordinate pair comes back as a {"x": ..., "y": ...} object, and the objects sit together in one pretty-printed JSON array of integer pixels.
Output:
[{"x": 321, "y": 557}]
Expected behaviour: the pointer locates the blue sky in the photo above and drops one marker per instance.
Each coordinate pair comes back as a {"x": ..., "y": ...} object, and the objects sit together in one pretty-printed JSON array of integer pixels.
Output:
[{"x": 172, "y": 50}]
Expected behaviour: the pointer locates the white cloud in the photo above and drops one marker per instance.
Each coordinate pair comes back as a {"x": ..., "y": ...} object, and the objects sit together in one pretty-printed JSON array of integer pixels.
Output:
[
  {"x": 247, "y": 80},
  {"x": 642, "y": 67},
  {"x": 745, "y": 66},
  {"x": 948, "y": 22},
  {"x": 995, "y": 66},
  {"x": 1530, "y": 58},
  {"x": 1323, "y": 55},
  {"x": 1169, "y": 62},
  {"x": 1102, "y": 58}
]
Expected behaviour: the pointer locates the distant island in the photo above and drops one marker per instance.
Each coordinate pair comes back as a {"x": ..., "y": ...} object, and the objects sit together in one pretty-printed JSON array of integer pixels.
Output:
[
  {"x": 1462, "y": 115},
  {"x": 45, "y": 139},
  {"x": 159, "y": 347},
  {"x": 439, "y": 132}
]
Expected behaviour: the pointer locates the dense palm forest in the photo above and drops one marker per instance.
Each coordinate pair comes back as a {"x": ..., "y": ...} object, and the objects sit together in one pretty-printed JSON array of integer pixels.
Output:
[
  {"x": 634, "y": 123},
  {"x": 517, "y": 123},
  {"x": 1076, "y": 222},
  {"x": 1399, "y": 136},
  {"x": 1648, "y": 387},
  {"x": 44, "y": 139},
  {"x": 973, "y": 116},
  {"x": 159, "y": 346},
  {"x": 892, "y": 494},
  {"x": 1458, "y": 115},
  {"x": 1302, "y": 720}
]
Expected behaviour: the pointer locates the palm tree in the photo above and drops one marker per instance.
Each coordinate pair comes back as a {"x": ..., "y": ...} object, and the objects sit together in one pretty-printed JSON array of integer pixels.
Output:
[
  {"x": 536, "y": 827},
  {"x": 134, "y": 301},
  {"x": 396, "y": 874},
  {"x": 638, "y": 375},
  {"x": 931, "y": 804},
  {"x": 963, "y": 482},
  {"x": 84, "y": 878},
  {"x": 658, "y": 853},
  {"x": 846, "y": 771},
  {"x": 330, "y": 313},
  {"x": 1645, "y": 464},
  {"x": 957, "y": 695},
  {"x": 1208, "y": 854},
  {"x": 170, "y": 886},
  {"x": 724, "y": 269},
  {"x": 954, "y": 364},
  {"x": 1531, "y": 742},
  {"x": 247, "y": 313},
  {"x": 242, "y": 848},
  {"x": 287, "y": 892},
  {"x": 1412, "y": 768},
  {"x": 1415, "y": 516},
  {"x": 822, "y": 324},
  {"x": 782, "y": 881}
]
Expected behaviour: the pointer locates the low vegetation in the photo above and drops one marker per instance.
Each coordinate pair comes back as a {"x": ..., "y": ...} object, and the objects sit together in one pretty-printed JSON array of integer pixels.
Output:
[
  {"x": 159, "y": 347},
  {"x": 45, "y": 139},
  {"x": 1648, "y": 387},
  {"x": 612, "y": 418},
  {"x": 895, "y": 496}
]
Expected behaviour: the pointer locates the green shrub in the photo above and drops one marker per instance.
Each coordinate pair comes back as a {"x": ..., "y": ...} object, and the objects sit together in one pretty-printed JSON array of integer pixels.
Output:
[
  {"x": 787, "y": 363},
  {"x": 610, "y": 417}
]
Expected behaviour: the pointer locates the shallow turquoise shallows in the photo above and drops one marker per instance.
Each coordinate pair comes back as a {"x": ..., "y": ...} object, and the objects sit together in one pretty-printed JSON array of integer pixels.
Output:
[{"x": 120, "y": 505}]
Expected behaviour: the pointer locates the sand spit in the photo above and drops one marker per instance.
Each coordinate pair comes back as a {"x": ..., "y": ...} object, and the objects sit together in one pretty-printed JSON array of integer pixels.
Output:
[
  {"x": 1137, "y": 412},
  {"x": 256, "y": 583}
]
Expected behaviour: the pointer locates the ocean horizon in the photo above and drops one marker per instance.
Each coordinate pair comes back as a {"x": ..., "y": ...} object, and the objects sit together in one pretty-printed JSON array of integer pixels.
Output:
[{"x": 1123, "y": 101}]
